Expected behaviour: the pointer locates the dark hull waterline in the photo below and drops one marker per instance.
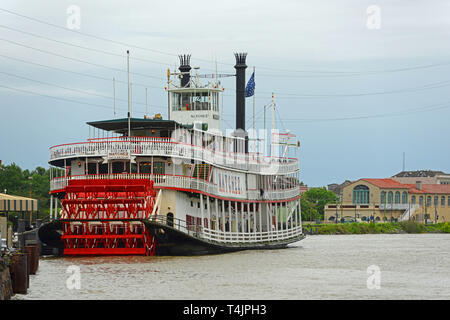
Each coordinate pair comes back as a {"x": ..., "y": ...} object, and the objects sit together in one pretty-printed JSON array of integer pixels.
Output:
[{"x": 172, "y": 242}]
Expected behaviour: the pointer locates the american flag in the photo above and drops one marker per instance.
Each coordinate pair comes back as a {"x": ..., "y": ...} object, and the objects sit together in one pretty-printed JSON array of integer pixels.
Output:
[{"x": 250, "y": 88}]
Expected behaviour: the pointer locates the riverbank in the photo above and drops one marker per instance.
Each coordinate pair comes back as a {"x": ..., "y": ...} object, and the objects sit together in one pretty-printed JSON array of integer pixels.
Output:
[{"x": 376, "y": 228}]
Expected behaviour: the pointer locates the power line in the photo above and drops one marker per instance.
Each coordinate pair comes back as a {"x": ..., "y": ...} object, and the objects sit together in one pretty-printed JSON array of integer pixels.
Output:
[
  {"x": 334, "y": 74},
  {"x": 83, "y": 47},
  {"x": 285, "y": 95},
  {"x": 59, "y": 98},
  {"x": 75, "y": 72},
  {"x": 321, "y": 72},
  {"x": 78, "y": 60},
  {"x": 85, "y": 34},
  {"x": 101, "y": 38},
  {"x": 433, "y": 107},
  {"x": 75, "y": 90}
]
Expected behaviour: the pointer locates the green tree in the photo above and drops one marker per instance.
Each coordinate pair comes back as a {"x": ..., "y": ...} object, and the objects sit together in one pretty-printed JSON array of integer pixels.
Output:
[
  {"x": 313, "y": 202},
  {"x": 34, "y": 184}
]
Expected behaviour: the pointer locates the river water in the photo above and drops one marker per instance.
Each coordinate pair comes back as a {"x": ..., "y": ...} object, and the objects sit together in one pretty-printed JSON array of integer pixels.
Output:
[{"x": 411, "y": 266}]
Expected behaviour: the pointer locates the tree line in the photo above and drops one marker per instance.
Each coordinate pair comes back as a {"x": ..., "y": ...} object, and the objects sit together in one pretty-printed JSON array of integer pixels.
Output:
[
  {"x": 36, "y": 184},
  {"x": 31, "y": 184}
]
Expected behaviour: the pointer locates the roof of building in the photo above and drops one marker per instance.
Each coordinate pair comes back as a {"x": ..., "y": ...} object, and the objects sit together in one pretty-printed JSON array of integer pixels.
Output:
[
  {"x": 432, "y": 188},
  {"x": 387, "y": 183},
  {"x": 17, "y": 203},
  {"x": 4, "y": 196},
  {"x": 425, "y": 188},
  {"x": 419, "y": 173}
]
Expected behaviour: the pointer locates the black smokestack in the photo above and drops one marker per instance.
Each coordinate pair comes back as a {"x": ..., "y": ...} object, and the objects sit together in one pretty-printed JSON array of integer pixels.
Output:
[
  {"x": 185, "y": 67},
  {"x": 240, "y": 90}
]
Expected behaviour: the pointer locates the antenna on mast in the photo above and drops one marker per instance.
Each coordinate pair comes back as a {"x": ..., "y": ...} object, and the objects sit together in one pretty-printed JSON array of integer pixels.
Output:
[
  {"x": 146, "y": 104},
  {"x": 114, "y": 95}
]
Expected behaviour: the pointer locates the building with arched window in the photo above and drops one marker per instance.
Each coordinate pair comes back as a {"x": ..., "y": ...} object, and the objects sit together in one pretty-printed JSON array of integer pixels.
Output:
[
  {"x": 390, "y": 200},
  {"x": 361, "y": 194}
]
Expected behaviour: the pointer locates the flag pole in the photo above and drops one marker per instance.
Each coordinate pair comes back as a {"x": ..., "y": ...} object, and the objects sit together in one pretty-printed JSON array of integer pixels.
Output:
[{"x": 253, "y": 102}]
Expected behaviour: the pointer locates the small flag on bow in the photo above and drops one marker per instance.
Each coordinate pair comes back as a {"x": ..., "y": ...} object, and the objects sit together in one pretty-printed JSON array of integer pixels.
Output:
[{"x": 250, "y": 88}]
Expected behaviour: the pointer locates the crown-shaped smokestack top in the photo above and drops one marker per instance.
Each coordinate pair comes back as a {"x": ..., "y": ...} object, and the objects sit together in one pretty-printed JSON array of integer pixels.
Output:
[
  {"x": 240, "y": 59},
  {"x": 185, "y": 60}
]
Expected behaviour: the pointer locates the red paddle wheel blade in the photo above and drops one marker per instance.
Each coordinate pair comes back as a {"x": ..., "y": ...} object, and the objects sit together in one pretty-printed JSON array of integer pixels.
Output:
[{"x": 104, "y": 217}]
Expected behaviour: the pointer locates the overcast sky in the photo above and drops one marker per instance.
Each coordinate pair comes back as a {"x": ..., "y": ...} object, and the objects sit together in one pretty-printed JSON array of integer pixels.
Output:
[{"x": 357, "y": 91}]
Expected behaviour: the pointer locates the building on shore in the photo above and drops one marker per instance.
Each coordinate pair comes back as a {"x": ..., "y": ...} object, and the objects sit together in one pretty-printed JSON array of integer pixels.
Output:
[
  {"x": 10, "y": 204},
  {"x": 338, "y": 188},
  {"x": 424, "y": 176},
  {"x": 391, "y": 200}
]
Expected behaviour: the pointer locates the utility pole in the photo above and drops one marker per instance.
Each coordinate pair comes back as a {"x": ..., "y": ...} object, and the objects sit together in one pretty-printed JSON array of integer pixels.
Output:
[
  {"x": 403, "y": 161},
  {"x": 337, "y": 216},
  {"x": 435, "y": 213}
]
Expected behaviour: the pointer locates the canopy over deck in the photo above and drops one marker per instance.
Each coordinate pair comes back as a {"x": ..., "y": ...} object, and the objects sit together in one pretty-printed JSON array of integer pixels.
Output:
[{"x": 121, "y": 125}]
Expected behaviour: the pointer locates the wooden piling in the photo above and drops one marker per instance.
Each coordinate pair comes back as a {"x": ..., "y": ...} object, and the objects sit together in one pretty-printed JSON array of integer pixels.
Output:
[
  {"x": 33, "y": 250},
  {"x": 19, "y": 273}
]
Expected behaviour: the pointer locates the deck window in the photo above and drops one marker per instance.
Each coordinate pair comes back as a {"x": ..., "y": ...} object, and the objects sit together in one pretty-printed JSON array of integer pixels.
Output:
[
  {"x": 158, "y": 167},
  {"x": 188, "y": 101},
  {"x": 145, "y": 167}
]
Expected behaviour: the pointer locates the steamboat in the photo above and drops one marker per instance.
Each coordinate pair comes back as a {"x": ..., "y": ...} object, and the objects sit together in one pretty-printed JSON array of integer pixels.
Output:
[{"x": 179, "y": 186}]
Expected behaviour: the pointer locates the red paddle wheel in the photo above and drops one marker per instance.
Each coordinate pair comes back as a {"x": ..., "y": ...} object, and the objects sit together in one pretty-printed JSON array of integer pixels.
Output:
[{"x": 104, "y": 217}]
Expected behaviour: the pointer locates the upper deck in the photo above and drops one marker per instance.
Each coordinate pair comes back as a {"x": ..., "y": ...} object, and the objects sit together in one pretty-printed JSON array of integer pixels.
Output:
[{"x": 220, "y": 151}]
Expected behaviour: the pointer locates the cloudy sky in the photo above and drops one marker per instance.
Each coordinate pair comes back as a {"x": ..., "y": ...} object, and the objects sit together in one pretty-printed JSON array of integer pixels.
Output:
[{"x": 359, "y": 82}]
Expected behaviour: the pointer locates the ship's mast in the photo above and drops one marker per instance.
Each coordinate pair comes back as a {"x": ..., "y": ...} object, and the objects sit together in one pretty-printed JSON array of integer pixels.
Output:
[{"x": 129, "y": 104}]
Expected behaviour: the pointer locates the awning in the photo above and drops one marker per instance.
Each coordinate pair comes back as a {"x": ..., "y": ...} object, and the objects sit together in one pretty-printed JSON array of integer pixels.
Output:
[
  {"x": 10, "y": 203},
  {"x": 121, "y": 125}
]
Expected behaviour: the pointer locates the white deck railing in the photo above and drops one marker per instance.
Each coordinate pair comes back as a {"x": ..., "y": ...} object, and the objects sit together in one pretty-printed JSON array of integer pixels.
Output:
[
  {"x": 394, "y": 206},
  {"x": 179, "y": 182},
  {"x": 165, "y": 147},
  {"x": 250, "y": 237},
  {"x": 230, "y": 237}
]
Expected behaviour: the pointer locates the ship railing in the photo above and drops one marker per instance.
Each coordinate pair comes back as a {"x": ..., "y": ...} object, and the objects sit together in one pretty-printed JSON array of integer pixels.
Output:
[
  {"x": 110, "y": 148},
  {"x": 220, "y": 236},
  {"x": 180, "y": 182},
  {"x": 177, "y": 224},
  {"x": 251, "y": 237}
]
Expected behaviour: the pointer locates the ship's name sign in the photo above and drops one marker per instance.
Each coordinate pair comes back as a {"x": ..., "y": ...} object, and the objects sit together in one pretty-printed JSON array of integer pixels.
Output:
[{"x": 118, "y": 155}]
